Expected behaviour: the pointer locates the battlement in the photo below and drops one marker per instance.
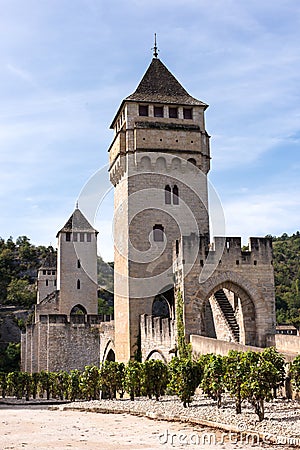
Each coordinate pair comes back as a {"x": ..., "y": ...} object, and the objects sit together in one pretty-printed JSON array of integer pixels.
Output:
[
  {"x": 76, "y": 319},
  {"x": 157, "y": 327},
  {"x": 192, "y": 249}
]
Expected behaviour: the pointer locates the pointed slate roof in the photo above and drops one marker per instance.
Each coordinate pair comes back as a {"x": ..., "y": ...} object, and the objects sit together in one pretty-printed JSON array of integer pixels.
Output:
[
  {"x": 159, "y": 85},
  {"x": 77, "y": 222}
]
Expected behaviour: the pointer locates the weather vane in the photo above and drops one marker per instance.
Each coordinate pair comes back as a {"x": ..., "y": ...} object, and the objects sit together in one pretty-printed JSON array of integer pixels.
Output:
[{"x": 155, "y": 49}]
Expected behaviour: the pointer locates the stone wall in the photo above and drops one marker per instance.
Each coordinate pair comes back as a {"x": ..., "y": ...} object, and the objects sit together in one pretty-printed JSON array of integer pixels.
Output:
[
  {"x": 285, "y": 343},
  {"x": 157, "y": 337},
  {"x": 58, "y": 343}
]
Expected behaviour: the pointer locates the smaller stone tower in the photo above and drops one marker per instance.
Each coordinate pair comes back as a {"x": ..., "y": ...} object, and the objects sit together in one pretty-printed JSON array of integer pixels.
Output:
[
  {"x": 77, "y": 266},
  {"x": 47, "y": 275}
]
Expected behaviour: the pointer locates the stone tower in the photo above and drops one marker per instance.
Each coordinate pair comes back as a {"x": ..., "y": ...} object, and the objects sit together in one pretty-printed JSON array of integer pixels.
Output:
[
  {"x": 159, "y": 160},
  {"x": 77, "y": 266},
  {"x": 47, "y": 277}
]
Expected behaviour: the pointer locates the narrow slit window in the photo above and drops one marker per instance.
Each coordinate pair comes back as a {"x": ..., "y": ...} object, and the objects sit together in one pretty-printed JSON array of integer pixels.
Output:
[
  {"x": 78, "y": 264},
  {"x": 175, "y": 195},
  {"x": 158, "y": 233},
  {"x": 167, "y": 195},
  {"x": 78, "y": 284}
]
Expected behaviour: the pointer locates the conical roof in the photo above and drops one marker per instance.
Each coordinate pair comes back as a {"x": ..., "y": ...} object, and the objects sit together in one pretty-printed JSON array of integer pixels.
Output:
[
  {"x": 77, "y": 222},
  {"x": 159, "y": 85}
]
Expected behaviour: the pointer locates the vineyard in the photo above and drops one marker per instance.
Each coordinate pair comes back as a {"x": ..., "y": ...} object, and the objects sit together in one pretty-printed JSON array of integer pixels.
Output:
[{"x": 245, "y": 376}]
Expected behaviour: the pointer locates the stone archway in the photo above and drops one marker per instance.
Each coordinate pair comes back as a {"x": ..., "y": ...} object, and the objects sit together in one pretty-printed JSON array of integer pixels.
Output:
[
  {"x": 251, "y": 315},
  {"x": 78, "y": 310},
  {"x": 163, "y": 303},
  {"x": 156, "y": 354},
  {"x": 228, "y": 313}
]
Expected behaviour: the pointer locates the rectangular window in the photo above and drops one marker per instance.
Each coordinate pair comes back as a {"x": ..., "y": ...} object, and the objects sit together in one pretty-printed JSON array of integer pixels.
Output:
[
  {"x": 75, "y": 237},
  {"x": 158, "y": 111},
  {"x": 44, "y": 272},
  {"x": 143, "y": 110},
  {"x": 81, "y": 237},
  {"x": 158, "y": 233},
  {"x": 173, "y": 113},
  {"x": 89, "y": 237},
  {"x": 187, "y": 113},
  {"x": 68, "y": 236}
]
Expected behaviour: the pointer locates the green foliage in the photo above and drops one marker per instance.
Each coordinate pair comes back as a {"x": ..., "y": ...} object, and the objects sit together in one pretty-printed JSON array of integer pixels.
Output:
[
  {"x": 112, "y": 376},
  {"x": 236, "y": 371},
  {"x": 21, "y": 292},
  {"x": 277, "y": 377},
  {"x": 257, "y": 387},
  {"x": 286, "y": 250},
  {"x": 10, "y": 357},
  {"x": 185, "y": 377},
  {"x": 213, "y": 377},
  {"x": 74, "y": 390},
  {"x": 133, "y": 378},
  {"x": 3, "y": 384},
  {"x": 90, "y": 383},
  {"x": 19, "y": 260},
  {"x": 184, "y": 349},
  {"x": 295, "y": 372},
  {"x": 155, "y": 378},
  {"x": 45, "y": 383}
]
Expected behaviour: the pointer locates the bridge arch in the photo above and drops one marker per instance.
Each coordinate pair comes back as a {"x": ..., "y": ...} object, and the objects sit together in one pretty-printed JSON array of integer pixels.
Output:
[{"x": 247, "y": 303}]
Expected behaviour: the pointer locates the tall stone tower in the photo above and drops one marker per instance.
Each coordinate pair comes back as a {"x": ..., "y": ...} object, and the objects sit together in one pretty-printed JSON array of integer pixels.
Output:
[
  {"x": 159, "y": 160},
  {"x": 77, "y": 266}
]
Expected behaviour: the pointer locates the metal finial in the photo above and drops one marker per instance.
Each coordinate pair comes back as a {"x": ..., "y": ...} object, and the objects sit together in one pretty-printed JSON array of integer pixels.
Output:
[{"x": 155, "y": 49}]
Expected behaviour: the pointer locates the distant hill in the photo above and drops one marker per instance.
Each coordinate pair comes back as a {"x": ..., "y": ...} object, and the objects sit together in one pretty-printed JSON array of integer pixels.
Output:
[{"x": 286, "y": 251}]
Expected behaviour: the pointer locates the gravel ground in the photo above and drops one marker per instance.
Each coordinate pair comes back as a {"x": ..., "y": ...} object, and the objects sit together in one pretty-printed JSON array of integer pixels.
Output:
[{"x": 281, "y": 424}]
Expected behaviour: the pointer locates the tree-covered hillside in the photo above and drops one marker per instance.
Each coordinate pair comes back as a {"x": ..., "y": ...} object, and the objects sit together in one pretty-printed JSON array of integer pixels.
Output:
[
  {"x": 286, "y": 251},
  {"x": 19, "y": 262}
]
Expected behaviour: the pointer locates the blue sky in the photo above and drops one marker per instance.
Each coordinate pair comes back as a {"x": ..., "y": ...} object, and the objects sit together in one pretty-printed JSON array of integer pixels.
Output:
[{"x": 66, "y": 65}]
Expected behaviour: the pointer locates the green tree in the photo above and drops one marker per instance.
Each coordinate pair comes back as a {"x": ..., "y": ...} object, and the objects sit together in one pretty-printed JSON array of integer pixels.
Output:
[
  {"x": 257, "y": 387},
  {"x": 90, "y": 383},
  {"x": 74, "y": 390},
  {"x": 155, "y": 378},
  {"x": 213, "y": 377},
  {"x": 21, "y": 292},
  {"x": 185, "y": 377},
  {"x": 112, "y": 376},
  {"x": 277, "y": 377},
  {"x": 236, "y": 371},
  {"x": 133, "y": 378}
]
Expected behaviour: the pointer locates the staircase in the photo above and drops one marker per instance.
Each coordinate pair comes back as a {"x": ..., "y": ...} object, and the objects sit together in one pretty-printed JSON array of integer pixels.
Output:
[{"x": 228, "y": 312}]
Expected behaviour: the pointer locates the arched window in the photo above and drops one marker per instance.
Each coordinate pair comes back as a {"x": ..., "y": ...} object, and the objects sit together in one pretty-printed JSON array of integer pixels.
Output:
[
  {"x": 175, "y": 195},
  {"x": 167, "y": 195},
  {"x": 192, "y": 161},
  {"x": 78, "y": 284},
  {"x": 158, "y": 233},
  {"x": 78, "y": 264}
]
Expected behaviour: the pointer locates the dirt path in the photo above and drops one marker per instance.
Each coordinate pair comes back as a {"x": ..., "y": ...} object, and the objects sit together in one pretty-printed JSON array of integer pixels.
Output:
[{"x": 34, "y": 428}]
